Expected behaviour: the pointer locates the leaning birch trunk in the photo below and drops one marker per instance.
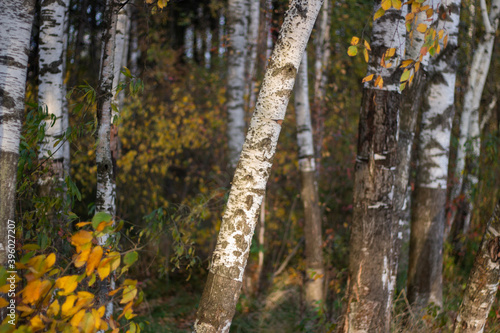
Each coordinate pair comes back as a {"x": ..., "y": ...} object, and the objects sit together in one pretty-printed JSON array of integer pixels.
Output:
[
  {"x": 52, "y": 92},
  {"x": 371, "y": 256},
  {"x": 309, "y": 190},
  {"x": 469, "y": 122},
  {"x": 224, "y": 280},
  {"x": 411, "y": 102},
  {"x": 483, "y": 281},
  {"x": 429, "y": 196},
  {"x": 106, "y": 196},
  {"x": 15, "y": 26},
  {"x": 253, "y": 36},
  {"x": 322, "y": 57},
  {"x": 237, "y": 26}
]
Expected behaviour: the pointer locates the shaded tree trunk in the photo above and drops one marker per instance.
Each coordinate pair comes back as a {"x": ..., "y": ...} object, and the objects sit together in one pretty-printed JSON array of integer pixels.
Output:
[
  {"x": 429, "y": 197},
  {"x": 224, "y": 280},
  {"x": 315, "y": 270},
  {"x": 483, "y": 281},
  {"x": 238, "y": 28},
  {"x": 253, "y": 36},
  {"x": 371, "y": 256},
  {"x": 15, "y": 27},
  {"x": 470, "y": 134}
]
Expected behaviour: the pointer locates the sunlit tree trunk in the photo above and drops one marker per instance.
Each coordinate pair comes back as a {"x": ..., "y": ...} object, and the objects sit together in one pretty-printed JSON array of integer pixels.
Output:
[
  {"x": 224, "y": 280},
  {"x": 309, "y": 189},
  {"x": 253, "y": 36},
  {"x": 237, "y": 44},
  {"x": 106, "y": 187},
  {"x": 467, "y": 159},
  {"x": 429, "y": 197},
  {"x": 15, "y": 26},
  {"x": 483, "y": 281},
  {"x": 371, "y": 253},
  {"x": 322, "y": 56},
  {"x": 52, "y": 92}
]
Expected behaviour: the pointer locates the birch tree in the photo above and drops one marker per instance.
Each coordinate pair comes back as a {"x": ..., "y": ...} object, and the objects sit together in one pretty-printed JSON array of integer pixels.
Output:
[
  {"x": 253, "y": 36},
  {"x": 315, "y": 270},
  {"x": 52, "y": 90},
  {"x": 225, "y": 276},
  {"x": 106, "y": 187},
  {"x": 482, "y": 285},
  {"x": 429, "y": 197},
  {"x": 15, "y": 25},
  {"x": 469, "y": 122},
  {"x": 371, "y": 281},
  {"x": 238, "y": 27}
]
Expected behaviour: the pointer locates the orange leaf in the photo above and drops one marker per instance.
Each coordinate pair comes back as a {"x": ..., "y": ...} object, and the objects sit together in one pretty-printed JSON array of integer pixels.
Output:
[
  {"x": 422, "y": 27},
  {"x": 354, "y": 40},
  {"x": 67, "y": 283},
  {"x": 367, "y": 46},
  {"x": 94, "y": 259},
  {"x": 81, "y": 237}
]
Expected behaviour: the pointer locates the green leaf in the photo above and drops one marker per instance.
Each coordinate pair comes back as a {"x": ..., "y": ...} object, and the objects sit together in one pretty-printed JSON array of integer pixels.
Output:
[
  {"x": 126, "y": 72},
  {"x": 99, "y": 217},
  {"x": 405, "y": 76},
  {"x": 130, "y": 258},
  {"x": 352, "y": 50}
]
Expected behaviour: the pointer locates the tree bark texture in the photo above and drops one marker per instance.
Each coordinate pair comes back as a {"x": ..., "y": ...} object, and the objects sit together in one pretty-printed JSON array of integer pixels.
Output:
[
  {"x": 253, "y": 36},
  {"x": 52, "y": 92},
  {"x": 315, "y": 270},
  {"x": 15, "y": 26},
  {"x": 483, "y": 281},
  {"x": 429, "y": 197},
  {"x": 237, "y": 49},
  {"x": 224, "y": 282},
  {"x": 470, "y": 135},
  {"x": 371, "y": 280}
]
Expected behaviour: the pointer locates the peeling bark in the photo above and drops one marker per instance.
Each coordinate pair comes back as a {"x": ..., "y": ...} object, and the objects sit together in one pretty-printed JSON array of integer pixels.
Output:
[
  {"x": 15, "y": 26},
  {"x": 238, "y": 29},
  {"x": 371, "y": 254},
  {"x": 429, "y": 197},
  {"x": 238, "y": 222},
  {"x": 315, "y": 270},
  {"x": 483, "y": 281}
]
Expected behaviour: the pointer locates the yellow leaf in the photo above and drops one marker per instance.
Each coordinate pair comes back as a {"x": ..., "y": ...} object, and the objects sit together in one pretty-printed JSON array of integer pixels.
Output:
[
  {"x": 3, "y": 302},
  {"x": 162, "y": 3},
  {"x": 82, "y": 224},
  {"x": 54, "y": 309},
  {"x": 81, "y": 237},
  {"x": 379, "y": 82},
  {"x": 92, "y": 279},
  {"x": 77, "y": 318},
  {"x": 422, "y": 27},
  {"x": 386, "y": 4},
  {"x": 35, "y": 290},
  {"x": 5, "y": 288},
  {"x": 36, "y": 324},
  {"x": 115, "y": 260},
  {"x": 129, "y": 293},
  {"x": 26, "y": 310},
  {"x": 406, "y": 63},
  {"x": 67, "y": 283},
  {"x": 417, "y": 66},
  {"x": 396, "y": 4},
  {"x": 67, "y": 308},
  {"x": 391, "y": 52},
  {"x": 365, "y": 53},
  {"x": 378, "y": 14},
  {"x": 97, "y": 318},
  {"x": 368, "y": 78},
  {"x": 84, "y": 299},
  {"x": 104, "y": 271},
  {"x": 352, "y": 51},
  {"x": 429, "y": 12},
  {"x": 94, "y": 259},
  {"x": 445, "y": 41},
  {"x": 354, "y": 40},
  {"x": 367, "y": 46},
  {"x": 50, "y": 261},
  {"x": 82, "y": 258}
]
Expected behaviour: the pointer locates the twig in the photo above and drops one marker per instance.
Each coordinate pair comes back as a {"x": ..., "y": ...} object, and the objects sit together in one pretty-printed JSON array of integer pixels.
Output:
[{"x": 288, "y": 258}]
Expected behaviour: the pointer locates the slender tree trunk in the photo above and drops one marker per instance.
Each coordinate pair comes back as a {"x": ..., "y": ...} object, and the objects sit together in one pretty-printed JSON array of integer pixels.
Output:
[
  {"x": 224, "y": 281},
  {"x": 322, "y": 52},
  {"x": 261, "y": 242},
  {"x": 371, "y": 256},
  {"x": 106, "y": 187},
  {"x": 238, "y": 28},
  {"x": 15, "y": 26},
  {"x": 470, "y": 135},
  {"x": 52, "y": 92},
  {"x": 483, "y": 281},
  {"x": 429, "y": 197},
  {"x": 315, "y": 271},
  {"x": 253, "y": 36}
]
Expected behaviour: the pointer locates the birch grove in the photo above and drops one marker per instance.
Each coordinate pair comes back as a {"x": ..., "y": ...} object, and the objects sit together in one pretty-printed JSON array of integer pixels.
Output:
[
  {"x": 429, "y": 196},
  {"x": 237, "y": 49},
  {"x": 229, "y": 259},
  {"x": 315, "y": 271},
  {"x": 470, "y": 136},
  {"x": 15, "y": 24},
  {"x": 371, "y": 256}
]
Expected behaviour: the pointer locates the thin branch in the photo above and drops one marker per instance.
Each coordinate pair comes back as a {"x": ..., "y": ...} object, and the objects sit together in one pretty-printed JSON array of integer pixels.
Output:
[
  {"x": 486, "y": 19},
  {"x": 489, "y": 112},
  {"x": 288, "y": 258}
]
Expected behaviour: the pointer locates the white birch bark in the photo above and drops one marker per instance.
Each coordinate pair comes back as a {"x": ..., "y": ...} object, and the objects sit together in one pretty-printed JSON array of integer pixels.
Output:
[
  {"x": 238, "y": 28},
  {"x": 223, "y": 286},
  {"x": 469, "y": 121},
  {"x": 253, "y": 36},
  {"x": 429, "y": 200},
  {"x": 15, "y": 26},
  {"x": 315, "y": 270},
  {"x": 121, "y": 54}
]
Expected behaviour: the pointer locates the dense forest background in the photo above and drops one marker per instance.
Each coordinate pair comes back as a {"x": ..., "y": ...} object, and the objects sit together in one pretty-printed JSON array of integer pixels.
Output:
[{"x": 173, "y": 173}]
